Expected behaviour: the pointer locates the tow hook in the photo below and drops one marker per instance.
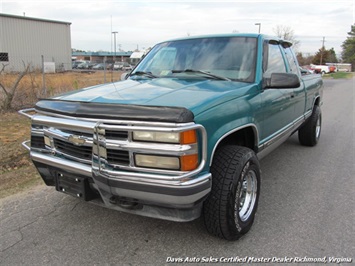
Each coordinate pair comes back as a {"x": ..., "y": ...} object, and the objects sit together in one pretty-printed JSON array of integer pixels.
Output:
[{"x": 126, "y": 203}]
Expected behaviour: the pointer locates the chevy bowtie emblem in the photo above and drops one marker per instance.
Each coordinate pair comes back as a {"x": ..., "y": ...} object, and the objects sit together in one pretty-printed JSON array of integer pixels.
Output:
[{"x": 76, "y": 140}]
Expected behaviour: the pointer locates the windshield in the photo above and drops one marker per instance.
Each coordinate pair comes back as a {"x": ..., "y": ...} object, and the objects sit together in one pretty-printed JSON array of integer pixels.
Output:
[{"x": 231, "y": 58}]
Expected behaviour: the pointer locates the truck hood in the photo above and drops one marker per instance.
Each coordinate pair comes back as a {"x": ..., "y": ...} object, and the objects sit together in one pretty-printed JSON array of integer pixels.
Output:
[{"x": 195, "y": 95}]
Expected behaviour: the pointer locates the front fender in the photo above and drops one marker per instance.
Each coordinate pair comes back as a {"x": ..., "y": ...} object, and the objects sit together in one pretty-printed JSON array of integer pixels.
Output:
[{"x": 226, "y": 119}]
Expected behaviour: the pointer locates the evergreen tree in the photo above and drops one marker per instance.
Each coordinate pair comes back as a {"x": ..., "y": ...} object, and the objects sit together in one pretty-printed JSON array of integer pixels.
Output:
[
  {"x": 325, "y": 56},
  {"x": 348, "y": 54},
  {"x": 332, "y": 56}
]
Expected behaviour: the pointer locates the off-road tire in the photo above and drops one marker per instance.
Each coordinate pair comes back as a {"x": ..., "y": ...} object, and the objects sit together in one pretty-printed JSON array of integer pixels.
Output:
[
  {"x": 231, "y": 166},
  {"x": 309, "y": 133}
]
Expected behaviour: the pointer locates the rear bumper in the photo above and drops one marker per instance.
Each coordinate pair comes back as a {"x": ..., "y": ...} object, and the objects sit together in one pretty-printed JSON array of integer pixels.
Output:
[{"x": 177, "y": 200}]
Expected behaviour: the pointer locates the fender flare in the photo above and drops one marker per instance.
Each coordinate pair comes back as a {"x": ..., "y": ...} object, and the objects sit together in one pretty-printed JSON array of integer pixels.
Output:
[{"x": 256, "y": 140}]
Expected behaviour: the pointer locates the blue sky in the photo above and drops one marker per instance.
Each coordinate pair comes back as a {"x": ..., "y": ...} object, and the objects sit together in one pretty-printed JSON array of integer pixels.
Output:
[{"x": 145, "y": 23}]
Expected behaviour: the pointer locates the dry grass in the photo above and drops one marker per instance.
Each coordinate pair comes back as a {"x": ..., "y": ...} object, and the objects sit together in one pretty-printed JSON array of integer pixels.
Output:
[
  {"x": 16, "y": 170},
  {"x": 17, "y": 173},
  {"x": 30, "y": 88}
]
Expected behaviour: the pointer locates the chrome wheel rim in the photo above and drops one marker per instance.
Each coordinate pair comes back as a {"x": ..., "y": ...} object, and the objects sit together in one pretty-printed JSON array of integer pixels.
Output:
[
  {"x": 246, "y": 199},
  {"x": 318, "y": 127}
]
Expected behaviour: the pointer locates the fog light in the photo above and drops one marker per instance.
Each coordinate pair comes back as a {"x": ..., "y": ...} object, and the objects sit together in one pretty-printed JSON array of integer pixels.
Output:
[
  {"x": 161, "y": 162},
  {"x": 183, "y": 163}
]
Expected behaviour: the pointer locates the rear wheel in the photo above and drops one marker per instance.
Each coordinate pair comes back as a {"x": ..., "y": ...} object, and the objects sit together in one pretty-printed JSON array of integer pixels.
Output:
[
  {"x": 230, "y": 209},
  {"x": 309, "y": 133}
]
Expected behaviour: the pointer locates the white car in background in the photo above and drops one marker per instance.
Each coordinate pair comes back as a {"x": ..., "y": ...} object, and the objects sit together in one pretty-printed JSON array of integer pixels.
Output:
[{"x": 122, "y": 66}]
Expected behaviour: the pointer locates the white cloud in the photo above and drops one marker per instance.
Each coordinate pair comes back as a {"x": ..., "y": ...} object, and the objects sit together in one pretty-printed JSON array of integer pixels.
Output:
[{"x": 145, "y": 23}]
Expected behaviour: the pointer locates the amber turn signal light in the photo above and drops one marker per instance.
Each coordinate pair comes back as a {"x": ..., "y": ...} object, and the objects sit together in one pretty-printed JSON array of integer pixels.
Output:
[
  {"x": 188, "y": 162},
  {"x": 188, "y": 137}
]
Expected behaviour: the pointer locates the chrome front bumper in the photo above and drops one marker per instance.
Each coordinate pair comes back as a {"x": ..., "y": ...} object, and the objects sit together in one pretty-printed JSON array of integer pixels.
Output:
[{"x": 164, "y": 194}]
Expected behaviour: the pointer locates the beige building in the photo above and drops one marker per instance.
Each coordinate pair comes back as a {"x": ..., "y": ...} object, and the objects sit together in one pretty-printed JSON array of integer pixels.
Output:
[{"x": 26, "y": 40}]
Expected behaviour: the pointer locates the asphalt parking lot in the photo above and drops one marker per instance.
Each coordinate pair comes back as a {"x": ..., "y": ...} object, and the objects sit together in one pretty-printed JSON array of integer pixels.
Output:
[{"x": 306, "y": 211}]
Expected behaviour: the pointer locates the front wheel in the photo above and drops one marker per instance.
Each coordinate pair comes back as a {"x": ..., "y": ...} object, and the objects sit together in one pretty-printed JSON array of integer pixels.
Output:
[{"x": 230, "y": 209}]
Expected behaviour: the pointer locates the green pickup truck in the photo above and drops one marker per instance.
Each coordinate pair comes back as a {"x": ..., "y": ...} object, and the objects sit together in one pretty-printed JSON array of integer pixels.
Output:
[{"x": 182, "y": 135}]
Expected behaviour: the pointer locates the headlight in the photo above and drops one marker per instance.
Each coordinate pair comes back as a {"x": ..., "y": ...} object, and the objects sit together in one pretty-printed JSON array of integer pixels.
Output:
[
  {"x": 156, "y": 136},
  {"x": 187, "y": 162},
  {"x": 186, "y": 137}
]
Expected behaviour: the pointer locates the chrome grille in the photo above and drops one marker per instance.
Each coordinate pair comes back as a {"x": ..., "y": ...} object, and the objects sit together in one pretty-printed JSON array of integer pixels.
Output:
[
  {"x": 80, "y": 152},
  {"x": 109, "y": 147},
  {"x": 72, "y": 132},
  {"x": 118, "y": 157},
  {"x": 84, "y": 152},
  {"x": 112, "y": 134}
]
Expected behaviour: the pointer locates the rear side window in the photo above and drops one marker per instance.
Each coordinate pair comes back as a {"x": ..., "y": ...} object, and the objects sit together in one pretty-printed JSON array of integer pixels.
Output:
[
  {"x": 273, "y": 60},
  {"x": 291, "y": 60}
]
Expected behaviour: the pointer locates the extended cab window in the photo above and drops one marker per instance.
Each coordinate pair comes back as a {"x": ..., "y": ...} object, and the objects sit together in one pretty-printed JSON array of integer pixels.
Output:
[
  {"x": 291, "y": 59},
  {"x": 273, "y": 60}
]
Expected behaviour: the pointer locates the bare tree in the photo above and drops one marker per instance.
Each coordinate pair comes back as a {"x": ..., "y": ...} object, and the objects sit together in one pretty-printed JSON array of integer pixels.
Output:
[
  {"x": 286, "y": 33},
  {"x": 9, "y": 92}
]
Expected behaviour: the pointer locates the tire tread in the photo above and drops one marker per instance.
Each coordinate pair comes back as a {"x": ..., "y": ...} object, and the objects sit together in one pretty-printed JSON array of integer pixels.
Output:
[
  {"x": 223, "y": 169},
  {"x": 306, "y": 134}
]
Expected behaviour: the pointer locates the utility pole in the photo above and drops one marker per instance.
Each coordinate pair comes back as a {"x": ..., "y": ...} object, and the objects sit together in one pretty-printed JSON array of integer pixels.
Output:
[
  {"x": 258, "y": 24},
  {"x": 114, "y": 41},
  {"x": 321, "y": 52}
]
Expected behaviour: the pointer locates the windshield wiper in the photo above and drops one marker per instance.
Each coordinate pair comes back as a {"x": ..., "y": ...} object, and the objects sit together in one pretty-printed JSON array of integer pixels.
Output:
[
  {"x": 201, "y": 72},
  {"x": 142, "y": 73}
]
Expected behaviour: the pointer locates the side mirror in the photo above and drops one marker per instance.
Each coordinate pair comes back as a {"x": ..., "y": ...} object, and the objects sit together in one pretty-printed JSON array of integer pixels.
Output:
[
  {"x": 303, "y": 71},
  {"x": 124, "y": 76},
  {"x": 282, "y": 81}
]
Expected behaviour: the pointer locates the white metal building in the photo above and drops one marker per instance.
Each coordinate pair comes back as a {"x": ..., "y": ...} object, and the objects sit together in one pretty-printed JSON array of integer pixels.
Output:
[{"x": 25, "y": 40}]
